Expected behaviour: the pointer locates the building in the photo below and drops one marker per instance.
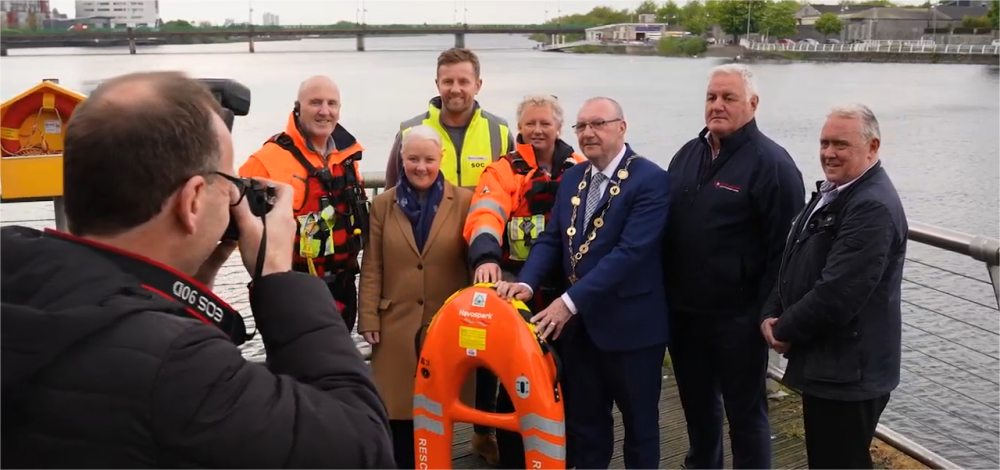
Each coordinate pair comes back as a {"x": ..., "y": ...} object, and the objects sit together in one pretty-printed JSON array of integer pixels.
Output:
[
  {"x": 270, "y": 19},
  {"x": 626, "y": 32},
  {"x": 808, "y": 14},
  {"x": 124, "y": 13},
  {"x": 24, "y": 14},
  {"x": 890, "y": 23}
]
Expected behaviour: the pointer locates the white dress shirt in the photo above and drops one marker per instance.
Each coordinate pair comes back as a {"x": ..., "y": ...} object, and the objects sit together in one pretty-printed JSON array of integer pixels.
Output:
[{"x": 608, "y": 172}]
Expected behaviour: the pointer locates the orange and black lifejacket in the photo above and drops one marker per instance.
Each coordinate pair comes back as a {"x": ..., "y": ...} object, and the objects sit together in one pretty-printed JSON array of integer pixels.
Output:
[
  {"x": 531, "y": 213},
  {"x": 332, "y": 218}
]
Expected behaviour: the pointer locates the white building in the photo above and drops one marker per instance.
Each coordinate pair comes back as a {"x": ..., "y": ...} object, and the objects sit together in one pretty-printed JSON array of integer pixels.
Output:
[
  {"x": 270, "y": 19},
  {"x": 123, "y": 13}
]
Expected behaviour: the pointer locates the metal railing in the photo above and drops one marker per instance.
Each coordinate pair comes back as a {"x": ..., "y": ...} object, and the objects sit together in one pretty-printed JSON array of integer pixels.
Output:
[
  {"x": 901, "y": 47},
  {"x": 982, "y": 249}
]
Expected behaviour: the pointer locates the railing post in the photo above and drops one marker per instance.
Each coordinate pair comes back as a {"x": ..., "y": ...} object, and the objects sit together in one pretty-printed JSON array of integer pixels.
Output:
[
  {"x": 59, "y": 208},
  {"x": 995, "y": 279}
]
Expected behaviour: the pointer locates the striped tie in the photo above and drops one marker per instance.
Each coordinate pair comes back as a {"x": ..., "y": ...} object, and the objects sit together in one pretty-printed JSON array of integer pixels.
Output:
[{"x": 594, "y": 195}]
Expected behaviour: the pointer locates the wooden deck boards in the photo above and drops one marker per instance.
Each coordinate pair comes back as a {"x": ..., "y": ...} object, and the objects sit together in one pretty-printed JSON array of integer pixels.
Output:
[{"x": 787, "y": 441}]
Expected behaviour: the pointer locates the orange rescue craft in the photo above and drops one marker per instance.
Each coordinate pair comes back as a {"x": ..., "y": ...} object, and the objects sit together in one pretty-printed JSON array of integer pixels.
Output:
[{"x": 478, "y": 328}]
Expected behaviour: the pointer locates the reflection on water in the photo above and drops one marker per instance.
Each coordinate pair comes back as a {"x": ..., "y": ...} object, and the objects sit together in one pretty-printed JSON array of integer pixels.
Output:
[{"x": 940, "y": 146}]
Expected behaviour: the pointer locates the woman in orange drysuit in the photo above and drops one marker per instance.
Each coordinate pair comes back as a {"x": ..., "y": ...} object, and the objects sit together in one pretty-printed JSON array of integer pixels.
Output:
[{"x": 510, "y": 208}]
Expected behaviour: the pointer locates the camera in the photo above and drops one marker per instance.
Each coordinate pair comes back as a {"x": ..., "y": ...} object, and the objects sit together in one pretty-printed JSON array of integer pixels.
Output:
[
  {"x": 260, "y": 199},
  {"x": 233, "y": 96}
]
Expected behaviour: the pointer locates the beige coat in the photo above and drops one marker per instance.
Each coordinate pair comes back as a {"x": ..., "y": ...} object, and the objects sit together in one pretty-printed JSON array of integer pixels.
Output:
[{"x": 402, "y": 289}]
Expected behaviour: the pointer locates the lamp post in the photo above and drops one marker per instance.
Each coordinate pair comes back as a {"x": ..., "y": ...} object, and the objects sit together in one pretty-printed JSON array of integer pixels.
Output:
[{"x": 749, "y": 6}]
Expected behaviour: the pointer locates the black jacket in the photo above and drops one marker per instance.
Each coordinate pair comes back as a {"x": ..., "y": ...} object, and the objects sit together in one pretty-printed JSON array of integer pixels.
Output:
[
  {"x": 728, "y": 221},
  {"x": 837, "y": 299},
  {"x": 97, "y": 371}
]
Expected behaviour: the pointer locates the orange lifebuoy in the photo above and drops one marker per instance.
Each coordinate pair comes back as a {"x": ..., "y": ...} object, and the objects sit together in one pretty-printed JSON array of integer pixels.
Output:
[
  {"x": 477, "y": 328},
  {"x": 26, "y": 108}
]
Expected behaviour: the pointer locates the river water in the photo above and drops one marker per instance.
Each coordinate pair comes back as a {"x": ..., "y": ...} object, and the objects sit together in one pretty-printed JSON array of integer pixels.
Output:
[{"x": 940, "y": 146}]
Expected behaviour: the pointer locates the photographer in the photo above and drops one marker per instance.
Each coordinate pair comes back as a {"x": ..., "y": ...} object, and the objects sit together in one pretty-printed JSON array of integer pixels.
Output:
[{"x": 114, "y": 356}]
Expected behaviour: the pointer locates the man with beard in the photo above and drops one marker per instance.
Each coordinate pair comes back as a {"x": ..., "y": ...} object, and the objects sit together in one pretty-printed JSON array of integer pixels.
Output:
[
  {"x": 473, "y": 139},
  {"x": 319, "y": 159}
]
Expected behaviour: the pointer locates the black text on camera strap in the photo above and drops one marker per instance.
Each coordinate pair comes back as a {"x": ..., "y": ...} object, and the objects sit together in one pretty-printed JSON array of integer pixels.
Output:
[{"x": 198, "y": 302}]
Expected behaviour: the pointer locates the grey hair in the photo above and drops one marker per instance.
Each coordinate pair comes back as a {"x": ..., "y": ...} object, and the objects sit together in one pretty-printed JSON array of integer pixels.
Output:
[
  {"x": 869, "y": 125},
  {"x": 619, "y": 113},
  {"x": 541, "y": 100},
  {"x": 749, "y": 83},
  {"x": 421, "y": 132}
]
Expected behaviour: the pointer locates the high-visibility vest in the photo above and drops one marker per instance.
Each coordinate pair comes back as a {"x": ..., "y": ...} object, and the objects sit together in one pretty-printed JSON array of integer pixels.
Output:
[{"x": 486, "y": 140}]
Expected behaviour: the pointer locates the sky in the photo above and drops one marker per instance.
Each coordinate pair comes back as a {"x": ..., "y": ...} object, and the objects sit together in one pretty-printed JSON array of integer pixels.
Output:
[{"x": 293, "y": 12}]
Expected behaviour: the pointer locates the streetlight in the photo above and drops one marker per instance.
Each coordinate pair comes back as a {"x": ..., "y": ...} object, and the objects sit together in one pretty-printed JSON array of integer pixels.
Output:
[
  {"x": 749, "y": 5},
  {"x": 465, "y": 18}
]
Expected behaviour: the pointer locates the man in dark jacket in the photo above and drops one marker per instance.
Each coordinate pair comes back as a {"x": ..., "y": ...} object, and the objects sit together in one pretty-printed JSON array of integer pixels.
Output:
[
  {"x": 114, "y": 356},
  {"x": 835, "y": 310},
  {"x": 734, "y": 194}
]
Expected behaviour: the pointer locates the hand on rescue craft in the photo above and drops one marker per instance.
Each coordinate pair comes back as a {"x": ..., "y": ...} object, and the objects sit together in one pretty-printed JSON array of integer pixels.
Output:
[
  {"x": 280, "y": 232},
  {"x": 487, "y": 272},
  {"x": 513, "y": 290},
  {"x": 767, "y": 329},
  {"x": 552, "y": 320}
]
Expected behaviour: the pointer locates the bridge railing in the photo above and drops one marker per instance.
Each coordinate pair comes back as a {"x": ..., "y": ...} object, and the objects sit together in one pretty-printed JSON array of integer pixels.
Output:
[
  {"x": 901, "y": 47},
  {"x": 950, "y": 349},
  {"x": 234, "y": 29}
]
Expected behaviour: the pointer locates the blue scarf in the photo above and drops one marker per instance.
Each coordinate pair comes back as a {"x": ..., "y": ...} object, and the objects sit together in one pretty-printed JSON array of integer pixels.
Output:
[{"x": 421, "y": 215}]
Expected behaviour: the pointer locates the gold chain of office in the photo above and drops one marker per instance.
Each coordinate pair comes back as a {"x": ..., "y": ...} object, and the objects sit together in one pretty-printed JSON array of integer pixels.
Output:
[{"x": 598, "y": 221}]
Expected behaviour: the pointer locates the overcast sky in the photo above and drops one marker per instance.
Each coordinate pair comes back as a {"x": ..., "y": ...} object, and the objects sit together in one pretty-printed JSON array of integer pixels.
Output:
[{"x": 293, "y": 12}]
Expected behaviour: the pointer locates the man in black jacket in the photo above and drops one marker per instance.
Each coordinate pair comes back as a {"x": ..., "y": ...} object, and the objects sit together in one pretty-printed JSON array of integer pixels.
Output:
[
  {"x": 116, "y": 356},
  {"x": 734, "y": 194},
  {"x": 835, "y": 310}
]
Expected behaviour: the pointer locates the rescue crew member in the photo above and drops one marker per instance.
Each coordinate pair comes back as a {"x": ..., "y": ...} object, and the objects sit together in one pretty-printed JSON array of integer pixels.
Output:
[
  {"x": 735, "y": 192},
  {"x": 472, "y": 139},
  {"x": 319, "y": 159},
  {"x": 414, "y": 261},
  {"x": 605, "y": 236},
  {"x": 510, "y": 209}
]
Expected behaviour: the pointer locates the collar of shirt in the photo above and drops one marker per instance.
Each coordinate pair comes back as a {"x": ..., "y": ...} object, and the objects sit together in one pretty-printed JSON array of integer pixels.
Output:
[
  {"x": 829, "y": 188},
  {"x": 330, "y": 147},
  {"x": 613, "y": 165},
  {"x": 711, "y": 146}
]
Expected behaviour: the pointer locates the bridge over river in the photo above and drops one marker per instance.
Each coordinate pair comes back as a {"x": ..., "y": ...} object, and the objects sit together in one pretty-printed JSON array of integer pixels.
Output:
[{"x": 136, "y": 37}]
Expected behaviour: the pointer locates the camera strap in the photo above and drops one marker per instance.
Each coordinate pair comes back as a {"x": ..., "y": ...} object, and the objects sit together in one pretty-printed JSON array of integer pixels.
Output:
[{"x": 198, "y": 301}]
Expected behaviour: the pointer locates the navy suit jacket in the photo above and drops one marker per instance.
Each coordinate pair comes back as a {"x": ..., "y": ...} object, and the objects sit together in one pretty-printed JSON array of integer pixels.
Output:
[{"x": 619, "y": 295}]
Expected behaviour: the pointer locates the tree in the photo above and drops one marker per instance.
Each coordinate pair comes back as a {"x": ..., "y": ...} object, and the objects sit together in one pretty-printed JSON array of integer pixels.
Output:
[
  {"x": 994, "y": 14},
  {"x": 669, "y": 13},
  {"x": 738, "y": 17},
  {"x": 828, "y": 23},
  {"x": 694, "y": 17},
  {"x": 977, "y": 22},
  {"x": 778, "y": 19},
  {"x": 647, "y": 7}
]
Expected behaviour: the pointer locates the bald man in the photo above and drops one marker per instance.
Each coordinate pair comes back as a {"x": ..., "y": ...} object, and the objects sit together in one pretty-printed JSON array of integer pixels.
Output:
[{"x": 319, "y": 159}]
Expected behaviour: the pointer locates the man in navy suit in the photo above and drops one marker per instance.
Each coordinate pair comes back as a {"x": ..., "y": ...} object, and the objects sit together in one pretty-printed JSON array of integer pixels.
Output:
[{"x": 604, "y": 237}]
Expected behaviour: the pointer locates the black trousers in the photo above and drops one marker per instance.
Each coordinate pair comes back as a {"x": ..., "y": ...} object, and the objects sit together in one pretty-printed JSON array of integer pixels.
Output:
[
  {"x": 402, "y": 442},
  {"x": 839, "y": 433},
  {"x": 345, "y": 291}
]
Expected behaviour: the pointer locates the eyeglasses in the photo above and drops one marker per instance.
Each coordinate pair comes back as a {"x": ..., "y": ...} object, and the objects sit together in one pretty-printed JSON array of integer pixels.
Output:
[
  {"x": 241, "y": 187},
  {"x": 595, "y": 125}
]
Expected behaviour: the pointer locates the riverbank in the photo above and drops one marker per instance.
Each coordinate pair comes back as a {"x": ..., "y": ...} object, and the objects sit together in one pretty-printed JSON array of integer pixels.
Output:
[
  {"x": 675, "y": 48},
  {"x": 874, "y": 57}
]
